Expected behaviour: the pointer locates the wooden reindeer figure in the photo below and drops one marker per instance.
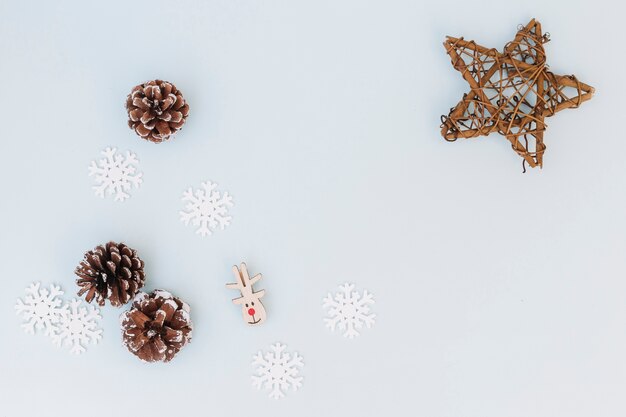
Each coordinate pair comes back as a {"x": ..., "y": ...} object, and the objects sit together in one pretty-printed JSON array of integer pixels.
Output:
[{"x": 251, "y": 308}]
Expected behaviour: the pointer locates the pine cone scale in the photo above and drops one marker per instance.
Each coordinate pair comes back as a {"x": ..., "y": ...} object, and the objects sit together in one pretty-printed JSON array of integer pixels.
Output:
[
  {"x": 84, "y": 277},
  {"x": 139, "y": 318},
  {"x": 146, "y": 117},
  {"x": 111, "y": 266},
  {"x": 94, "y": 261},
  {"x": 168, "y": 310},
  {"x": 163, "y": 128},
  {"x": 90, "y": 295},
  {"x": 169, "y": 102},
  {"x": 179, "y": 319},
  {"x": 83, "y": 289},
  {"x": 139, "y": 342},
  {"x": 132, "y": 287},
  {"x": 113, "y": 296},
  {"x": 173, "y": 336},
  {"x": 156, "y": 94},
  {"x": 141, "y": 103},
  {"x": 143, "y": 131},
  {"x": 116, "y": 258},
  {"x": 166, "y": 117},
  {"x": 176, "y": 116},
  {"x": 159, "y": 347},
  {"x": 135, "y": 115},
  {"x": 159, "y": 318},
  {"x": 125, "y": 273}
]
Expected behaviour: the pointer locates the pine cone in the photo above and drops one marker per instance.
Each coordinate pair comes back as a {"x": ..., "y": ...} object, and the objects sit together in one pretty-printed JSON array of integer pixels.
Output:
[
  {"x": 157, "y": 326},
  {"x": 112, "y": 271},
  {"x": 156, "y": 110}
]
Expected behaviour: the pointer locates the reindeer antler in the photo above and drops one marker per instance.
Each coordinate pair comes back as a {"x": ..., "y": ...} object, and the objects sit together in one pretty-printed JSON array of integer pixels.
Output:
[
  {"x": 243, "y": 281},
  {"x": 240, "y": 281}
]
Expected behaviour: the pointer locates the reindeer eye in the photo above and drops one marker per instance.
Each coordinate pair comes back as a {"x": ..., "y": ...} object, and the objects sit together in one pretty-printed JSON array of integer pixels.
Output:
[
  {"x": 246, "y": 304},
  {"x": 252, "y": 303}
]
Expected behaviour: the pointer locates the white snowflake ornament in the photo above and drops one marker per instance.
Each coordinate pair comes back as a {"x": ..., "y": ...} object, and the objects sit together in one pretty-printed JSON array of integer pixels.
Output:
[
  {"x": 78, "y": 326},
  {"x": 206, "y": 208},
  {"x": 40, "y": 309},
  {"x": 277, "y": 371},
  {"x": 115, "y": 174},
  {"x": 348, "y": 310}
]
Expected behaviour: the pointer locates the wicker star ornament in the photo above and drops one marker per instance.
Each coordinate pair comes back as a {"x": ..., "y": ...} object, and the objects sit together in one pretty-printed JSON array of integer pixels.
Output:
[{"x": 511, "y": 92}]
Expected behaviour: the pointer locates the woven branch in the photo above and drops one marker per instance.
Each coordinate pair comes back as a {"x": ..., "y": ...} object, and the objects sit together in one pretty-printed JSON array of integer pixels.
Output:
[{"x": 510, "y": 92}]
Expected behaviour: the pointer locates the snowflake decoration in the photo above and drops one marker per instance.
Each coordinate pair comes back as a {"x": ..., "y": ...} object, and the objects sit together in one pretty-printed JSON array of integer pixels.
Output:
[
  {"x": 277, "y": 371},
  {"x": 348, "y": 310},
  {"x": 206, "y": 208},
  {"x": 115, "y": 174},
  {"x": 78, "y": 326},
  {"x": 40, "y": 309}
]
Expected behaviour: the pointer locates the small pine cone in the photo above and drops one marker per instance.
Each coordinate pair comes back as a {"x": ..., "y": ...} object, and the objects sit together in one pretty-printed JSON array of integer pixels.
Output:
[
  {"x": 156, "y": 110},
  {"x": 111, "y": 271},
  {"x": 157, "y": 326}
]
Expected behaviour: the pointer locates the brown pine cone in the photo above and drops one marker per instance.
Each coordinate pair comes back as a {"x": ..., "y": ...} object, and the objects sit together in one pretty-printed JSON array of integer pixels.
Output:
[
  {"x": 156, "y": 110},
  {"x": 111, "y": 271},
  {"x": 157, "y": 326}
]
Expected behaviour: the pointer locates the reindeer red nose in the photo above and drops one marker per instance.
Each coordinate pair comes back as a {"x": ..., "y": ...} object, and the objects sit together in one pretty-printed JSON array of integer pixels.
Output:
[{"x": 251, "y": 311}]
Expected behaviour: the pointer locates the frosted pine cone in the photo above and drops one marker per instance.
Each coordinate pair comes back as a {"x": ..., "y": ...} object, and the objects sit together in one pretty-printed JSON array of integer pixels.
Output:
[
  {"x": 157, "y": 326},
  {"x": 156, "y": 110},
  {"x": 111, "y": 271}
]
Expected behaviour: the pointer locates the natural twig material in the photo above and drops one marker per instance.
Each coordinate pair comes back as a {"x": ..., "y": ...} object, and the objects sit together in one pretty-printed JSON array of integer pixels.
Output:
[{"x": 510, "y": 92}]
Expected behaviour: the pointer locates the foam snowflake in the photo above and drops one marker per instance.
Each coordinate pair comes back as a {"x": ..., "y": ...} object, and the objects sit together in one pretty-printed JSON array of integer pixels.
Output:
[
  {"x": 41, "y": 308},
  {"x": 78, "y": 326},
  {"x": 206, "y": 208},
  {"x": 348, "y": 310},
  {"x": 277, "y": 371},
  {"x": 115, "y": 174}
]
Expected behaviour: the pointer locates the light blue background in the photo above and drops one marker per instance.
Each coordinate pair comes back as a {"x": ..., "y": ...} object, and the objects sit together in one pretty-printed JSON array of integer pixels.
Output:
[{"x": 498, "y": 294}]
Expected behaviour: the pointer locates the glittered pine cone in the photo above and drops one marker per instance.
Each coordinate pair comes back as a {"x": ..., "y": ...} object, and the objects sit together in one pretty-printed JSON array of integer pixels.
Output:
[
  {"x": 157, "y": 326},
  {"x": 111, "y": 272},
  {"x": 156, "y": 110}
]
